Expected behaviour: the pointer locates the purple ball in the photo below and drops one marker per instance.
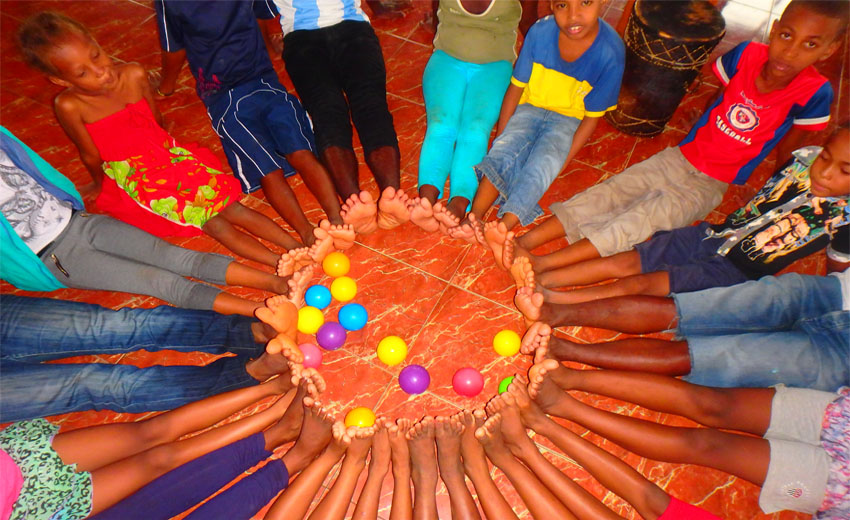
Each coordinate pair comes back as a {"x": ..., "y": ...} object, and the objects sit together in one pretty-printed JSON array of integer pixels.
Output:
[
  {"x": 331, "y": 335},
  {"x": 414, "y": 379}
]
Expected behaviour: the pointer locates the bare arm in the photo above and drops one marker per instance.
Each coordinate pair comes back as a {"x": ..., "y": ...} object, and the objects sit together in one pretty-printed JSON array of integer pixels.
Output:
[
  {"x": 583, "y": 132},
  {"x": 792, "y": 140},
  {"x": 172, "y": 62},
  {"x": 70, "y": 119},
  {"x": 509, "y": 104}
]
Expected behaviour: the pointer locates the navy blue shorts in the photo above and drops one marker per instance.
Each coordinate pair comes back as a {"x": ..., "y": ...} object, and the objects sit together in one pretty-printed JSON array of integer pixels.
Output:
[
  {"x": 259, "y": 123},
  {"x": 689, "y": 258}
]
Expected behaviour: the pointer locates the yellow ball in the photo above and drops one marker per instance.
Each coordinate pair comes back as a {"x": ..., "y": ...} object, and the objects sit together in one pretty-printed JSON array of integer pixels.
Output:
[
  {"x": 506, "y": 342},
  {"x": 344, "y": 289},
  {"x": 361, "y": 417},
  {"x": 310, "y": 319},
  {"x": 392, "y": 350},
  {"x": 336, "y": 264}
]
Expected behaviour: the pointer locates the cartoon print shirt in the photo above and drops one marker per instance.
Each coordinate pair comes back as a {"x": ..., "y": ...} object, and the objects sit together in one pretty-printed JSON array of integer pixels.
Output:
[
  {"x": 223, "y": 43},
  {"x": 784, "y": 221},
  {"x": 588, "y": 86},
  {"x": 738, "y": 131}
]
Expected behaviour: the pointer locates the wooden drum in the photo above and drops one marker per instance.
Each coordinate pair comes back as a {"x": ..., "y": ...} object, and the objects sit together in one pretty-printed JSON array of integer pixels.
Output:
[{"x": 667, "y": 43}]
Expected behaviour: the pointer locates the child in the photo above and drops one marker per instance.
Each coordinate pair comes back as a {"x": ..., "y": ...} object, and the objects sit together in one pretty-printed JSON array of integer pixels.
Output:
[
  {"x": 799, "y": 211},
  {"x": 87, "y": 471},
  {"x": 108, "y": 112},
  {"x": 47, "y": 237},
  {"x": 795, "y": 445},
  {"x": 769, "y": 91},
  {"x": 463, "y": 85},
  {"x": 567, "y": 76},
  {"x": 263, "y": 129}
]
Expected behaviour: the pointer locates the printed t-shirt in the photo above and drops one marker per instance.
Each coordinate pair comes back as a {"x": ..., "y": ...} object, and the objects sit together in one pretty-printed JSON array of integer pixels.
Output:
[
  {"x": 743, "y": 125},
  {"x": 224, "y": 45},
  {"x": 588, "y": 86},
  {"x": 784, "y": 221},
  {"x": 305, "y": 15}
]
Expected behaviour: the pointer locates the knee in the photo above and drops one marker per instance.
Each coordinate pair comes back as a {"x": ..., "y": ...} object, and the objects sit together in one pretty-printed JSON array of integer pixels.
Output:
[
  {"x": 160, "y": 459},
  {"x": 441, "y": 127},
  {"x": 711, "y": 406},
  {"x": 705, "y": 443},
  {"x": 217, "y": 225}
]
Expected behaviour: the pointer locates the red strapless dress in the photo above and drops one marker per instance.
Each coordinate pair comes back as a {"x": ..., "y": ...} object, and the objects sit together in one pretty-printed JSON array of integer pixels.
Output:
[{"x": 154, "y": 183}]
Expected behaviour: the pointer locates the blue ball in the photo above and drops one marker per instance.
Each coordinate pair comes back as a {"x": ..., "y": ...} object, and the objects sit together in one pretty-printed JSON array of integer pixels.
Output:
[
  {"x": 318, "y": 296},
  {"x": 353, "y": 316}
]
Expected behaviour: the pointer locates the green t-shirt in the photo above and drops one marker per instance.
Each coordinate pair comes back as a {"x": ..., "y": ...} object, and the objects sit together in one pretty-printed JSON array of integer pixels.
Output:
[{"x": 478, "y": 38}]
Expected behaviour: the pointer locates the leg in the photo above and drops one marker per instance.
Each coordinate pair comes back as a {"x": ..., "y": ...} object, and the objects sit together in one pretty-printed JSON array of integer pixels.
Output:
[
  {"x": 420, "y": 440},
  {"x": 259, "y": 225},
  {"x": 379, "y": 465},
  {"x": 335, "y": 504},
  {"x": 539, "y": 500},
  {"x": 448, "y": 434},
  {"x": 402, "y": 504},
  {"x": 548, "y": 230},
  {"x": 283, "y": 200},
  {"x": 478, "y": 470},
  {"x": 235, "y": 240},
  {"x": 649, "y": 500},
  {"x": 619, "y": 266},
  {"x": 319, "y": 182},
  {"x": 581, "y": 251}
]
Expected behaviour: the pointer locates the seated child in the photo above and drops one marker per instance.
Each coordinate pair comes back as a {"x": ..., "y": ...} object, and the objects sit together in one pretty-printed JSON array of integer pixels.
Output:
[
  {"x": 567, "y": 76},
  {"x": 264, "y": 130},
  {"x": 463, "y": 86},
  {"x": 769, "y": 92},
  {"x": 795, "y": 441},
  {"x": 799, "y": 211},
  {"x": 108, "y": 112},
  {"x": 49, "y": 242}
]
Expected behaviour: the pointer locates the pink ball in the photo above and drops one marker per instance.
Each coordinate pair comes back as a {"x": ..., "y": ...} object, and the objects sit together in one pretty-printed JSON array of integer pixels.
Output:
[
  {"x": 312, "y": 355},
  {"x": 468, "y": 382}
]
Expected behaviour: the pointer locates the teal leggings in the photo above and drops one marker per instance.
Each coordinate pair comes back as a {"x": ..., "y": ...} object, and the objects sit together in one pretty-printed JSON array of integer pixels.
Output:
[{"x": 462, "y": 102}]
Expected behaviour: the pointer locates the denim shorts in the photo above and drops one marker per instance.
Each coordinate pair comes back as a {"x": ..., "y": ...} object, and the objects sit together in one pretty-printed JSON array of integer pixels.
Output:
[
  {"x": 259, "y": 123},
  {"x": 690, "y": 259},
  {"x": 526, "y": 158},
  {"x": 788, "y": 329}
]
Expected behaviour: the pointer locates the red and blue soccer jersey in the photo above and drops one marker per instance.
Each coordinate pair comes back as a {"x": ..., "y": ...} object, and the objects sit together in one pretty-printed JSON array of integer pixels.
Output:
[{"x": 744, "y": 125}]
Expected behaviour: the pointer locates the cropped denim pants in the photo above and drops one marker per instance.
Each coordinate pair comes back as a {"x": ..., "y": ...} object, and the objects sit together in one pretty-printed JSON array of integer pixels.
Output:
[
  {"x": 526, "y": 158},
  {"x": 789, "y": 329},
  {"x": 35, "y": 330}
]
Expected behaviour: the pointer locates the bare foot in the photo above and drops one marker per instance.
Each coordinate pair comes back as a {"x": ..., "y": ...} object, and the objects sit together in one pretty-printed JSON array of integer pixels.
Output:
[
  {"x": 495, "y": 233},
  {"x": 342, "y": 234},
  {"x": 474, "y": 460},
  {"x": 290, "y": 423},
  {"x": 341, "y": 439},
  {"x": 361, "y": 442},
  {"x": 359, "y": 211},
  {"x": 542, "y": 387},
  {"x": 280, "y": 355},
  {"x": 520, "y": 271},
  {"x": 466, "y": 230},
  {"x": 422, "y": 214},
  {"x": 316, "y": 426},
  {"x": 513, "y": 250},
  {"x": 490, "y": 437},
  {"x": 420, "y": 441},
  {"x": 448, "y": 432},
  {"x": 313, "y": 381},
  {"x": 529, "y": 303},
  {"x": 280, "y": 313},
  {"x": 536, "y": 338},
  {"x": 529, "y": 411},
  {"x": 445, "y": 218},
  {"x": 392, "y": 208},
  {"x": 381, "y": 446},
  {"x": 293, "y": 260},
  {"x": 512, "y": 427},
  {"x": 322, "y": 246},
  {"x": 297, "y": 285},
  {"x": 398, "y": 444}
]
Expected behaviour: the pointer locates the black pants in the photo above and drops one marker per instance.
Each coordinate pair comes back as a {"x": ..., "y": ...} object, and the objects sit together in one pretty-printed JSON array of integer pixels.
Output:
[{"x": 339, "y": 75}]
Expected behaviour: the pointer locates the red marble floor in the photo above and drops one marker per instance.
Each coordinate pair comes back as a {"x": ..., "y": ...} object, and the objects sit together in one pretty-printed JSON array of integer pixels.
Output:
[{"x": 444, "y": 297}]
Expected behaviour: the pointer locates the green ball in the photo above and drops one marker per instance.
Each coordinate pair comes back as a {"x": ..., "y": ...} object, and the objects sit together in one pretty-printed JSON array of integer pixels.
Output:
[{"x": 503, "y": 386}]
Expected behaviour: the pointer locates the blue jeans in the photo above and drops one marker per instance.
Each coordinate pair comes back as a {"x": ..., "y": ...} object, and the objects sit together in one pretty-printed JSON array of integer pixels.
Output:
[
  {"x": 462, "y": 103},
  {"x": 34, "y": 330},
  {"x": 789, "y": 329},
  {"x": 525, "y": 159}
]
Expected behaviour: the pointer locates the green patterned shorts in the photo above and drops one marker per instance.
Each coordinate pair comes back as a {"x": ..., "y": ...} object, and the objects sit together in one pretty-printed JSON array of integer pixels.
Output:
[{"x": 52, "y": 489}]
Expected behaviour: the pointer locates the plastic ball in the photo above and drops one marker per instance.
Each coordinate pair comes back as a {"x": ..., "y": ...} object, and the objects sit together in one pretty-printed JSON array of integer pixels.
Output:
[
  {"x": 331, "y": 335},
  {"x": 506, "y": 342},
  {"x": 309, "y": 319},
  {"x": 503, "y": 386},
  {"x": 336, "y": 264},
  {"x": 468, "y": 382},
  {"x": 414, "y": 379},
  {"x": 317, "y": 296},
  {"x": 361, "y": 417},
  {"x": 312, "y": 355},
  {"x": 344, "y": 289},
  {"x": 392, "y": 350},
  {"x": 353, "y": 316}
]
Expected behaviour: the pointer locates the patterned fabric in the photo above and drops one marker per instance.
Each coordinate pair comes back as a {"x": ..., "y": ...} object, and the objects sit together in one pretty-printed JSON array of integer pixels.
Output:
[
  {"x": 835, "y": 439},
  {"x": 52, "y": 490},
  {"x": 161, "y": 177}
]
